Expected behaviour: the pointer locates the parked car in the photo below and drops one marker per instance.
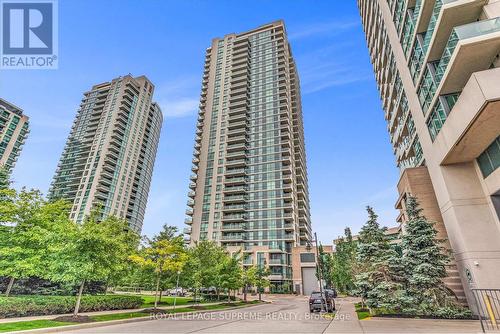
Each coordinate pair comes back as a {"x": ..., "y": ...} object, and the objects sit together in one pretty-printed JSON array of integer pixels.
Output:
[
  {"x": 319, "y": 301},
  {"x": 332, "y": 291}
]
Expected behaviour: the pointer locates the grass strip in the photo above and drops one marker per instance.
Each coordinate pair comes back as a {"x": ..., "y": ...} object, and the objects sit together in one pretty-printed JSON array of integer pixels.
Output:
[{"x": 33, "y": 324}]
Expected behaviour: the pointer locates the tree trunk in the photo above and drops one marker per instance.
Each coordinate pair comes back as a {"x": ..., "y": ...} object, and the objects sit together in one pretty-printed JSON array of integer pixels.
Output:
[
  {"x": 245, "y": 292},
  {"x": 78, "y": 299},
  {"x": 9, "y": 287},
  {"x": 159, "y": 299},
  {"x": 260, "y": 295},
  {"x": 228, "y": 295},
  {"x": 218, "y": 293},
  {"x": 156, "y": 291}
]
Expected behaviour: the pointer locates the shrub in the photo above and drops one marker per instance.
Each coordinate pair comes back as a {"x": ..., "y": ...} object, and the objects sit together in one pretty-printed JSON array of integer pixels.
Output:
[
  {"x": 213, "y": 298},
  {"x": 22, "y": 306},
  {"x": 40, "y": 286}
]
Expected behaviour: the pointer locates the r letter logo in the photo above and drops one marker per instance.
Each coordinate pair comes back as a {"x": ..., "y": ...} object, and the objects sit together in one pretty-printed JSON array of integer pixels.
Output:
[{"x": 28, "y": 34}]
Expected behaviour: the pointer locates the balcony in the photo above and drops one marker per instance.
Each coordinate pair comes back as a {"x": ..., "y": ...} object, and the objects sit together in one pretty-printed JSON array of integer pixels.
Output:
[
  {"x": 448, "y": 14},
  {"x": 470, "y": 48},
  {"x": 236, "y": 163},
  {"x": 190, "y": 202},
  {"x": 193, "y": 177},
  {"x": 235, "y": 180},
  {"x": 235, "y": 207},
  {"x": 473, "y": 122},
  {"x": 235, "y": 198},
  {"x": 192, "y": 185},
  {"x": 186, "y": 230},
  {"x": 188, "y": 221},
  {"x": 236, "y": 147},
  {"x": 189, "y": 212},
  {"x": 237, "y": 139},
  {"x": 235, "y": 217},
  {"x": 234, "y": 237},
  {"x": 237, "y": 154},
  {"x": 234, "y": 227},
  {"x": 236, "y": 172},
  {"x": 191, "y": 194},
  {"x": 235, "y": 189},
  {"x": 237, "y": 125},
  {"x": 237, "y": 131}
]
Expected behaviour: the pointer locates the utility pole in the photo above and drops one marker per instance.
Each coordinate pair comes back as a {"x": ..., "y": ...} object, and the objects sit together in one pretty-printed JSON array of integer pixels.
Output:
[{"x": 318, "y": 270}]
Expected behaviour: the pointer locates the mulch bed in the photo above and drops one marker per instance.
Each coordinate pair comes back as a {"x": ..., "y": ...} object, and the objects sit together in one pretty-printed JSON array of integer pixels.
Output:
[{"x": 78, "y": 319}]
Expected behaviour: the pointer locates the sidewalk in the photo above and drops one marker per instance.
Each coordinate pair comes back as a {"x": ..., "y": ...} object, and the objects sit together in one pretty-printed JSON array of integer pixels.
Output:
[
  {"x": 346, "y": 321},
  {"x": 52, "y": 316}
]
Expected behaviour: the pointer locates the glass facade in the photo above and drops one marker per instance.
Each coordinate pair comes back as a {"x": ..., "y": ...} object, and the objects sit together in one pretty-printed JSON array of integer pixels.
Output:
[
  {"x": 14, "y": 129},
  {"x": 489, "y": 160},
  {"x": 254, "y": 180}
]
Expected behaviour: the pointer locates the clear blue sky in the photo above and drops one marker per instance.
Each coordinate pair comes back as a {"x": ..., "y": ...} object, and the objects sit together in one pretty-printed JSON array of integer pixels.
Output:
[{"x": 350, "y": 162}]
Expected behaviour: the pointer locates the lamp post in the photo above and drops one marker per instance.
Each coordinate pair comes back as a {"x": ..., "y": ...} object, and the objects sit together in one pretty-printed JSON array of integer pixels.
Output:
[
  {"x": 318, "y": 269},
  {"x": 177, "y": 287}
]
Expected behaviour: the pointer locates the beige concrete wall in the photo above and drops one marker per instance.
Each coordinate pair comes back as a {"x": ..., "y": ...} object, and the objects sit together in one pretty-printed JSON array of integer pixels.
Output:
[{"x": 417, "y": 182}]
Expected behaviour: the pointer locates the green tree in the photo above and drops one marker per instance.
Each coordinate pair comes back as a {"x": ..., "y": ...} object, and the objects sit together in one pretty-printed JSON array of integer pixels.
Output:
[
  {"x": 344, "y": 263},
  {"x": 92, "y": 251},
  {"x": 262, "y": 279},
  {"x": 162, "y": 256},
  {"x": 30, "y": 230},
  {"x": 167, "y": 233},
  {"x": 325, "y": 266},
  {"x": 4, "y": 178},
  {"x": 248, "y": 279},
  {"x": 230, "y": 273},
  {"x": 204, "y": 265},
  {"x": 424, "y": 259}
]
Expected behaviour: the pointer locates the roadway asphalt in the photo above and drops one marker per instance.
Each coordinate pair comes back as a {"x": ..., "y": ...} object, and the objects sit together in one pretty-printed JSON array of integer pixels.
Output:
[{"x": 287, "y": 314}]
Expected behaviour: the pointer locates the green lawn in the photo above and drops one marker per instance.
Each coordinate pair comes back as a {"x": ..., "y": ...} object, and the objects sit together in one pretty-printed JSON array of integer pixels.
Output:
[
  {"x": 25, "y": 325},
  {"x": 362, "y": 313},
  {"x": 149, "y": 300},
  {"x": 34, "y": 324},
  {"x": 118, "y": 316}
]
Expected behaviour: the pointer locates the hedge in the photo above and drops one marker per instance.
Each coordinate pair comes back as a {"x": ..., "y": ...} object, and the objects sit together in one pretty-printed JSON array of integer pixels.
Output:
[{"x": 23, "y": 306}]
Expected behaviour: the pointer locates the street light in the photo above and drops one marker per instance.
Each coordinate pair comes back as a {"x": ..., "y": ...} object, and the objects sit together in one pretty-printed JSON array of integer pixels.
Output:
[
  {"x": 318, "y": 268},
  {"x": 177, "y": 288}
]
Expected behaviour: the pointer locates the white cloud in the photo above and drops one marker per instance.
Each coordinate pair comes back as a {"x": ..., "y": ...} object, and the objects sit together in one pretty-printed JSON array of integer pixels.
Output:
[
  {"x": 178, "y": 98},
  {"x": 178, "y": 107},
  {"x": 322, "y": 29}
]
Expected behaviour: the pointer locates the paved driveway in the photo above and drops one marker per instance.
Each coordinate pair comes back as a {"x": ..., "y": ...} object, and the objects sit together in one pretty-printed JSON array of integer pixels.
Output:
[{"x": 286, "y": 315}]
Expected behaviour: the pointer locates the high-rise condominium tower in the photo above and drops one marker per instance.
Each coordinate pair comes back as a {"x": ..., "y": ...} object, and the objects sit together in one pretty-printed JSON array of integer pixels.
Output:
[
  {"x": 437, "y": 67},
  {"x": 109, "y": 156},
  {"x": 249, "y": 184},
  {"x": 14, "y": 128}
]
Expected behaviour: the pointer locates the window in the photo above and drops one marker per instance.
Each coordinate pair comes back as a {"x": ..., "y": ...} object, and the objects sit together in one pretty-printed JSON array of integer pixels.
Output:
[
  {"x": 489, "y": 160},
  {"x": 307, "y": 257}
]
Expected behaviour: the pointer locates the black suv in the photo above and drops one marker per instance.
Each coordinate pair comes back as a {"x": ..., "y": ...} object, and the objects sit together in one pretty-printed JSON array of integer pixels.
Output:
[{"x": 319, "y": 301}]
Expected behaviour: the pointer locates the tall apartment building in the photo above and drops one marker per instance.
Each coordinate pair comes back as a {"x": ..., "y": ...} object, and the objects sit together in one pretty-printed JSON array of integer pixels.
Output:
[
  {"x": 109, "y": 155},
  {"x": 14, "y": 128},
  {"x": 249, "y": 183},
  {"x": 437, "y": 67}
]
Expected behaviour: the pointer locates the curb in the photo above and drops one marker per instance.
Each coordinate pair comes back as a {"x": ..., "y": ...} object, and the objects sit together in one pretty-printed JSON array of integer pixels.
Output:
[{"x": 120, "y": 321}]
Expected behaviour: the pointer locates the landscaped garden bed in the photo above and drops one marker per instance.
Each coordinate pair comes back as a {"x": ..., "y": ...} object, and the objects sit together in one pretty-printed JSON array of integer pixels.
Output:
[
  {"x": 23, "y": 306},
  {"x": 441, "y": 313}
]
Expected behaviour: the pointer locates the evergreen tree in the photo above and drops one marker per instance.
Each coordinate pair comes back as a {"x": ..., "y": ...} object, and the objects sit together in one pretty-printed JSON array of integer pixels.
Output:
[
  {"x": 424, "y": 259},
  {"x": 374, "y": 283}
]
